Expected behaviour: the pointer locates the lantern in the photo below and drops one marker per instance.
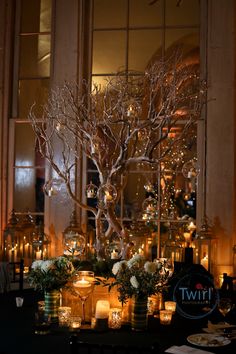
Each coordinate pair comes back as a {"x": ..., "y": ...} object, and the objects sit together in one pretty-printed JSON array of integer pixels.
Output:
[
  {"x": 11, "y": 236},
  {"x": 40, "y": 243},
  {"x": 27, "y": 227},
  {"x": 91, "y": 190},
  {"x": 205, "y": 246}
]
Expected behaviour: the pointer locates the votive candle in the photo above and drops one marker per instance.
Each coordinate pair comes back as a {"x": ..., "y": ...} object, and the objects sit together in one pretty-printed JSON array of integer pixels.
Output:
[
  {"x": 165, "y": 317},
  {"x": 64, "y": 315},
  {"x": 75, "y": 322},
  {"x": 170, "y": 306},
  {"x": 115, "y": 318}
]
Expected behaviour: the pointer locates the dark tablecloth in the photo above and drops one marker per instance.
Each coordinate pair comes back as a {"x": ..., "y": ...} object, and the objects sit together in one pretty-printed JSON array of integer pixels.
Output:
[{"x": 17, "y": 331}]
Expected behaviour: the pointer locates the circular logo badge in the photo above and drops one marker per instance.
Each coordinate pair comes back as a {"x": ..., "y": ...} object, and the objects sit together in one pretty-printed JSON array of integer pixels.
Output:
[{"x": 195, "y": 296}]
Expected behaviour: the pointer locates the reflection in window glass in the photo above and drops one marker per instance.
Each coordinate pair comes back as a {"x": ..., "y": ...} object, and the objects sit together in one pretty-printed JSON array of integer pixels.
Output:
[
  {"x": 187, "y": 13},
  {"x": 108, "y": 51},
  {"x": 29, "y": 92},
  {"x": 24, "y": 189},
  {"x": 28, "y": 189},
  {"x": 134, "y": 195},
  {"x": 143, "y": 44},
  {"x": 151, "y": 28},
  {"x": 187, "y": 38},
  {"x": 36, "y": 16},
  {"x": 24, "y": 145},
  {"x": 35, "y": 56},
  {"x": 143, "y": 13},
  {"x": 109, "y": 13}
]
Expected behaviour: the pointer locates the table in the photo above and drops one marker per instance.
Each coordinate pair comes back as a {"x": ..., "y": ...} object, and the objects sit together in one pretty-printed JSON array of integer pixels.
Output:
[{"x": 17, "y": 332}]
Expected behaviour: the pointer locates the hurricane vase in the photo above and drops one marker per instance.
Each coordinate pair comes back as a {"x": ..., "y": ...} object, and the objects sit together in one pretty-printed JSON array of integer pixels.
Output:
[
  {"x": 52, "y": 302},
  {"x": 139, "y": 313}
]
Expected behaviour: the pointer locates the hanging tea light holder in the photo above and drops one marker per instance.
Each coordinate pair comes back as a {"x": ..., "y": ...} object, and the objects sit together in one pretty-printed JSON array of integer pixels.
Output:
[
  {"x": 150, "y": 207},
  {"x": 91, "y": 190},
  {"x": 106, "y": 194},
  {"x": 52, "y": 187},
  {"x": 149, "y": 187},
  {"x": 74, "y": 239}
]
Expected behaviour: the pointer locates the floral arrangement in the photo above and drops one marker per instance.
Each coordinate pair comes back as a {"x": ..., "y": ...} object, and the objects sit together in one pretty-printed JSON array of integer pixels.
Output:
[
  {"x": 51, "y": 274},
  {"x": 137, "y": 277}
]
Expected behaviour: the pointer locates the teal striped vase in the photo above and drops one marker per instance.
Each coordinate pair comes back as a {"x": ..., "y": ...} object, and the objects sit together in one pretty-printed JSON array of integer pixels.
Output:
[
  {"x": 139, "y": 314},
  {"x": 52, "y": 301}
]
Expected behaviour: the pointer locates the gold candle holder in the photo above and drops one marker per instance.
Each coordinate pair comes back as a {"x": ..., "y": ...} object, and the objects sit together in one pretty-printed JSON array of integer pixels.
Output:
[
  {"x": 115, "y": 318},
  {"x": 170, "y": 306},
  {"x": 75, "y": 322},
  {"x": 165, "y": 317},
  {"x": 64, "y": 316}
]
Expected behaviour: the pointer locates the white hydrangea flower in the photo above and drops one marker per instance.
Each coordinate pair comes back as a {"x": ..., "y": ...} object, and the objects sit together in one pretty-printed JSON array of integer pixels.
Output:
[
  {"x": 116, "y": 268},
  {"x": 47, "y": 265},
  {"x": 150, "y": 267},
  {"x": 137, "y": 258},
  {"x": 37, "y": 264},
  {"x": 134, "y": 282}
]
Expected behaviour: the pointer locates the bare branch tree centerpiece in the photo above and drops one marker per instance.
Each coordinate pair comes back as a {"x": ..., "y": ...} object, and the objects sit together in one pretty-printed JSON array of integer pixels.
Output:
[{"x": 128, "y": 121}]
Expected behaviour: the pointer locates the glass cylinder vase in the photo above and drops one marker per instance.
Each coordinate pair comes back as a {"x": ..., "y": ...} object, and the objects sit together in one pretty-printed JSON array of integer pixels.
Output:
[
  {"x": 52, "y": 302},
  {"x": 139, "y": 314}
]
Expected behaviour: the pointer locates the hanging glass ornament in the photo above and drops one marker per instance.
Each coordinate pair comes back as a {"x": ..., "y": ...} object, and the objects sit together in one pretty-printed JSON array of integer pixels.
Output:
[
  {"x": 190, "y": 169},
  {"x": 91, "y": 190},
  {"x": 113, "y": 249},
  {"x": 52, "y": 187},
  {"x": 106, "y": 194},
  {"x": 74, "y": 239},
  {"x": 149, "y": 187},
  {"x": 150, "y": 206},
  {"x": 74, "y": 243}
]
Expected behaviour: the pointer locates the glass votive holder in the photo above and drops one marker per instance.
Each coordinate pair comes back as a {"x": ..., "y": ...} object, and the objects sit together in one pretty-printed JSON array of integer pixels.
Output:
[
  {"x": 165, "y": 317},
  {"x": 75, "y": 322},
  {"x": 42, "y": 323},
  {"x": 19, "y": 301},
  {"x": 115, "y": 318},
  {"x": 170, "y": 306},
  {"x": 64, "y": 316}
]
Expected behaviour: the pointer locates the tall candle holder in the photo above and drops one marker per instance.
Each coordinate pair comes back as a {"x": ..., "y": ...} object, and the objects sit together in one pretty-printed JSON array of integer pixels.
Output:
[{"x": 83, "y": 286}]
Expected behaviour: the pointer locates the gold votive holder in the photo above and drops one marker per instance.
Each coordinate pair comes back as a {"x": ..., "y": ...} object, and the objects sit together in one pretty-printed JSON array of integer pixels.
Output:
[
  {"x": 170, "y": 306},
  {"x": 165, "y": 317},
  {"x": 115, "y": 318},
  {"x": 75, "y": 322},
  {"x": 64, "y": 316}
]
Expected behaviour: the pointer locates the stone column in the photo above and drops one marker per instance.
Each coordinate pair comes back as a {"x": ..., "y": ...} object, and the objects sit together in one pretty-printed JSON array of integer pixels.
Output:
[{"x": 220, "y": 183}]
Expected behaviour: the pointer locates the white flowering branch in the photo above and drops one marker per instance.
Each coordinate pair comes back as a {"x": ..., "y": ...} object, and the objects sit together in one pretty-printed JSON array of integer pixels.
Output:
[{"x": 124, "y": 123}]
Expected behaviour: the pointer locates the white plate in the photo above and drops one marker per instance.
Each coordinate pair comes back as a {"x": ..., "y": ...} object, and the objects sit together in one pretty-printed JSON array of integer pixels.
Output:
[{"x": 208, "y": 340}]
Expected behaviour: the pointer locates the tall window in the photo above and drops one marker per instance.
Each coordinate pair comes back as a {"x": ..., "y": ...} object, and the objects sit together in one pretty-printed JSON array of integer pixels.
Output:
[
  {"x": 31, "y": 84},
  {"x": 129, "y": 35}
]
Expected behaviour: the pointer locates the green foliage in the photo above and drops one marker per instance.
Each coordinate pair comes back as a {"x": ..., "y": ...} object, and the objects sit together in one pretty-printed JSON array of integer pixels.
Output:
[{"x": 51, "y": 274}]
